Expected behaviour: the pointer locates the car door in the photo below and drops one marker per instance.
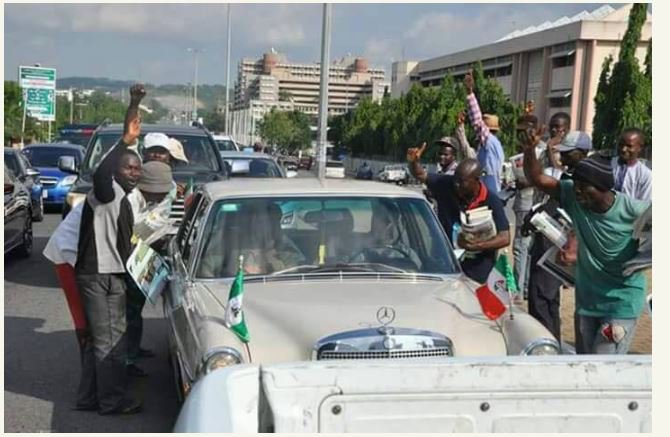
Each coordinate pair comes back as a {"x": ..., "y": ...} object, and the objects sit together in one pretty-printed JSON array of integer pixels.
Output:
[
  {"x": 181, "y": 307},
  {"x": 15, "y": 207}
]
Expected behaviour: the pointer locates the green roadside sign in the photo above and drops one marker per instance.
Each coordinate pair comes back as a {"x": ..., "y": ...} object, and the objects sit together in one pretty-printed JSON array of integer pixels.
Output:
[
  {"x": 39, "y": 91},
  {"x": 41, "y": 103}
]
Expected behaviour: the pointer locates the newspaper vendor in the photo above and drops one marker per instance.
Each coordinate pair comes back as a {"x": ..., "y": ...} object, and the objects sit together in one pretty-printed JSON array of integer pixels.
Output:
[
  {"x": 462, "y": 192},
  {"x": 608, "y": 303}
]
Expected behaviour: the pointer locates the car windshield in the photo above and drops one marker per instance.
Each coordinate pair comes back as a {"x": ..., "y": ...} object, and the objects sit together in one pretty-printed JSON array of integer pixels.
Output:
[
  {"x": 253, "y": 168},
  {"x": 334, "y": 164},
  {"x": 48, "y": 156},
  {"x": 80, "y": 139},
  {"x": 226, "y": 145},
  {"x": 12, "y": 163},
  {"x": 308, "y": 235},
  {"x": 197, "y": 148}
]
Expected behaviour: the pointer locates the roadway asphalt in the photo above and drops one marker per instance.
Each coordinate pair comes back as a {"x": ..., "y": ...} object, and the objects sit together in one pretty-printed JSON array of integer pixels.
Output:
[{"x": 42, "y": 357}]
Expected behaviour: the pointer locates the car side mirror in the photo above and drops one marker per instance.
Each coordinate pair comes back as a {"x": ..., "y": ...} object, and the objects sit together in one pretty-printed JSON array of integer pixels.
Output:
[
  {"x": 67, "y": 164},
  {"x": 291, "y": 173},
  {"x": 31, "y": 172}
]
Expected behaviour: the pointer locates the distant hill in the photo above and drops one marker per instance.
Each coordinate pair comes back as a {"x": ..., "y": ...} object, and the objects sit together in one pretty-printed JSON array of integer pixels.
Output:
[{"x": 209, "y": 96}]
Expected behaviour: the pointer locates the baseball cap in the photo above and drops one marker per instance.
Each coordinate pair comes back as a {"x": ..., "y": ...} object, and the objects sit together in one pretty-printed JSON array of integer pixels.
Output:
[
  {"x": 156, "y": 139},
  {"x": 575, "y": 140},
  {"x": 451, "y": 141},
  {"x": 176, "y": 150}
]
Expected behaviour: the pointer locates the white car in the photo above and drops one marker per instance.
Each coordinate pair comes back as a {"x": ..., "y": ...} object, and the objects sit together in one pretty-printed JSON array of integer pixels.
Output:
[
  {"x": 396, "y": 173},
  {"x": 334, "y": 270},
  {"x": 335, "y": 169},
  {"x": 226, "y": 143}
]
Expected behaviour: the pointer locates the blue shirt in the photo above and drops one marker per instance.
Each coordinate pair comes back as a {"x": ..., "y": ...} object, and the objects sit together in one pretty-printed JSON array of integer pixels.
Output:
[{"x": 491, "y": 156}]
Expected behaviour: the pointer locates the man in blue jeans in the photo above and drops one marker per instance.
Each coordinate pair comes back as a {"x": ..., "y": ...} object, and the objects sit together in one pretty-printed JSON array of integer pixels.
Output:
[{"x": 608, "y": 303}]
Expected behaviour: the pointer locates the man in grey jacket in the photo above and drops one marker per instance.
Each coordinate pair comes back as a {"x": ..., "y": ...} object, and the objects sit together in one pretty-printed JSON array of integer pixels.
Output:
[{"x": 104, "y": 247}]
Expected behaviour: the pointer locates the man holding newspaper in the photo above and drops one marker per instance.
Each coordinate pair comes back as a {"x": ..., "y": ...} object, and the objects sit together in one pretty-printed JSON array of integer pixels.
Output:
[
  {"x": 608, "y": 302},
  {"x": 472, "y": 216}
]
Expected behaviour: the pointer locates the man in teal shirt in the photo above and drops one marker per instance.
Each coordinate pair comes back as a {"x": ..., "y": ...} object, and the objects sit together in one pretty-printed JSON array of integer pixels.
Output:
[{"x": 608, "y": 303}]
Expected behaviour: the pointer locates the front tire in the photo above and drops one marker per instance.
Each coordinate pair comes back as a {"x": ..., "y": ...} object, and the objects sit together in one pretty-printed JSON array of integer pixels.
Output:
[
  {"x": 38, "y": 211},
  {"x": 26, "y": 247}
]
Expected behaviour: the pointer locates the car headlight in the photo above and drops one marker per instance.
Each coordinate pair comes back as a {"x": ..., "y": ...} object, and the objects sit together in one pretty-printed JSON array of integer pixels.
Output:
[
  {"x": 74, "y": 199},
  {"x": 543, "y": 346},
  {"x": 220, "y": 357},
  {"x": 68, "y": 180}
]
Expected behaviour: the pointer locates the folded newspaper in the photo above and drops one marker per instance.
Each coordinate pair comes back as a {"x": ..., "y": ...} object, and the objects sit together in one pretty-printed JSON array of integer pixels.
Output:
[
  {"x": 478, "y": 225},
  {"x": 642, "y": 233},
  {"x": 154, "y": 224},
  {"x": 556, "y": 228},
  {"x": 148, "y": 270}
]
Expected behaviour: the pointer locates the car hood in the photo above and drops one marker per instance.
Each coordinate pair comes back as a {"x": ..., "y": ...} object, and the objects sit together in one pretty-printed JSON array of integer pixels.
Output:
[
  {"x": 51, "y": 172},
  {"x": 286, "y": 319},
  {"x": 84, "y": 184}
]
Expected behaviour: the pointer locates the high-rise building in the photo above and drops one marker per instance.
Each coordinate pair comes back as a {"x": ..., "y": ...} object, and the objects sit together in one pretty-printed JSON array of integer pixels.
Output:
[
  {"x": 556, "y": 64},
  {"x": 274, "y": 82}
]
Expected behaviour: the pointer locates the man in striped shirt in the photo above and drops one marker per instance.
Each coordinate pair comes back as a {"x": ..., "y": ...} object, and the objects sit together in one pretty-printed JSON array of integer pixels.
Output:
[{"x": 489, "y": 152}]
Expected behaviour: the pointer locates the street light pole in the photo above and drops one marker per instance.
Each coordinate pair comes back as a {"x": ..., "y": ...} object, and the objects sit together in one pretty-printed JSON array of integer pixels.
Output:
[
  {"x": 226, "y": 115},
  {"x": 323, "y": 95},
  {"x": 195, "y": 82}
]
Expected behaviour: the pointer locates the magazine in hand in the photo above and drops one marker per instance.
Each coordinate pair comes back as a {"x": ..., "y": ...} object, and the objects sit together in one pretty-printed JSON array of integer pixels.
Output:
[
  {"x": 148, "y": 270},
  {"x": 549, "y": 262}
]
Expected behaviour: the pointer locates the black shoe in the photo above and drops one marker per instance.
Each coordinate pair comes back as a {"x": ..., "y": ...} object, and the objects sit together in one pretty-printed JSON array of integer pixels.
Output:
[
  {"x": 145, "y": 353},
  {"x": 136, "y": 371},
  {"x": 86, "y": 407},
  {"x": 128, "y": 406}
]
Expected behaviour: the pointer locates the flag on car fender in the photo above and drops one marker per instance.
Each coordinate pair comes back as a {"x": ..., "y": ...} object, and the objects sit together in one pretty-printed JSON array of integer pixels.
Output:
[
  {"x": 234, "y": 317},
  {"x": 494, "y": 296}
]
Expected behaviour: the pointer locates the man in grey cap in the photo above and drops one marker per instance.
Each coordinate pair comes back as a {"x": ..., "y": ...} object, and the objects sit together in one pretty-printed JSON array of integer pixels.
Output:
[{"x": 151, "y": 201}]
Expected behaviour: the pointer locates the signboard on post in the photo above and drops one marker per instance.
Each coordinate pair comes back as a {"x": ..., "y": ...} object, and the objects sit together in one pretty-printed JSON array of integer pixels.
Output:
[{"x": 39, "y": 90}]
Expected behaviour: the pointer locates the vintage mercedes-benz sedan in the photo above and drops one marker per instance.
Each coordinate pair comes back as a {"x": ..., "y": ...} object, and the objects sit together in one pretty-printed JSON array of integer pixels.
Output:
[{"x": 333, "y": 270}]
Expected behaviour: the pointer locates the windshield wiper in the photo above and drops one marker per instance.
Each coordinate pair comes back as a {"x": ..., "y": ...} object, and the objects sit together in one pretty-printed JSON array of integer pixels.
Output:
[{"x": 341, "y": 267}]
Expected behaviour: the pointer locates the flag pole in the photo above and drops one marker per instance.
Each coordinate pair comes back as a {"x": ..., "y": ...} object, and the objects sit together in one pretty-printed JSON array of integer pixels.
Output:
[{"x": 511, "y": 297}]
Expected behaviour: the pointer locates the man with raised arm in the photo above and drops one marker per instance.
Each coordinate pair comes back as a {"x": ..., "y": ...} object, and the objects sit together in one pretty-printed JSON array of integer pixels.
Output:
[
  {"x": 608, "y": 303},
  {"x": 103, "y": 249},
  {"x": 462, "y": 192},
  {"x": 490, "y": 153}
]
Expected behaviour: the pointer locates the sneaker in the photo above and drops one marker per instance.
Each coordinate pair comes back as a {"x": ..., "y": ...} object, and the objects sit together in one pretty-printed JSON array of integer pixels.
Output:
[
  {"x": 135, "y": 370},
  {"x": 127, "y": 406}
]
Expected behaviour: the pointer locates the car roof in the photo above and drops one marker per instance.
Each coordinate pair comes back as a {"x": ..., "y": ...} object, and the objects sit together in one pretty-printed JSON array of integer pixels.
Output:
[
  {"x": 222, "y": 137},
  {"x": 62, "y": 145},
  {"x": 167, "y": 129},
  {"x": 250, "y": 187},
  {"x": 235, "y": 154}
]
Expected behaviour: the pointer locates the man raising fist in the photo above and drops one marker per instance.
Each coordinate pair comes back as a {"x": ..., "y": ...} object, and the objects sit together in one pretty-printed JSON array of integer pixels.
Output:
[{"x": 103, "y": 249}]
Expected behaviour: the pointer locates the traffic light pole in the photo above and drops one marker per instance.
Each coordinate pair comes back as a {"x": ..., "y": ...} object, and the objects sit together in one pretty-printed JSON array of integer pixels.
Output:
[{"x": 323, "y": 95}]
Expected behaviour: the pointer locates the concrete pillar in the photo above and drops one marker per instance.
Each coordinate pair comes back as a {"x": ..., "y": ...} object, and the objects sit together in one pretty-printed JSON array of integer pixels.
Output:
[
  {"x": 589, "y": 86},
  {"x": 577, "y": 78},
  {"x": 542, "y": 103}
]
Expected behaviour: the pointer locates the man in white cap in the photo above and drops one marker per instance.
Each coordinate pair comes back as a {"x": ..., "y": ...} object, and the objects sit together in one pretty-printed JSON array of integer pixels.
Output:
[{"x": 160, "y": 147}]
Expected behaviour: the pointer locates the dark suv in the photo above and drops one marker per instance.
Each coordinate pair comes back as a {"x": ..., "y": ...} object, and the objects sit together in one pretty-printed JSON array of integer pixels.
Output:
[{"x": 205, "y": 163}]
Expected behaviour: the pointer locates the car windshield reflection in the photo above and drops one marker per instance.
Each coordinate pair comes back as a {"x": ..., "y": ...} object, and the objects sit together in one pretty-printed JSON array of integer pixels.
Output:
[{"x": 316, "y": 235}]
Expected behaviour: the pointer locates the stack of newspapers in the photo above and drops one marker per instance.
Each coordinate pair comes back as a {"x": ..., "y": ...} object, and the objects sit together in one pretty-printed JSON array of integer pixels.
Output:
[
  {"x": 556, "y": 228},
  {"x": 478, "y": 225}
]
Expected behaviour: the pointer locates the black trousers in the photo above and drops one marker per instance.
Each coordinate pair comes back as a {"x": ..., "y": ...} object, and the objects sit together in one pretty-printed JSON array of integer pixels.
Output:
[{"x": 544, "y": 297}]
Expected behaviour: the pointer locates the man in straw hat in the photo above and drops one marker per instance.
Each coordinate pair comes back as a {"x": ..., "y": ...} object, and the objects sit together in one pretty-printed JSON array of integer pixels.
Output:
[{"x": 490, "y": 153}]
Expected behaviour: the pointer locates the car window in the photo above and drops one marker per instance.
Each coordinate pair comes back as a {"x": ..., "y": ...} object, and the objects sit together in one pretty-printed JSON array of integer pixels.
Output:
[
  {"x": 278, "y": 234},
  {"x": 334, "y": 164},
  {"x": 188, "y": 248},
  {"x": 12, "y": 163},
  {"x": 226, "y": 145},
  {"x": 254, "y": 168},
  {"x": 197, "y": 148},
  {"x": 48, "y": 156}
]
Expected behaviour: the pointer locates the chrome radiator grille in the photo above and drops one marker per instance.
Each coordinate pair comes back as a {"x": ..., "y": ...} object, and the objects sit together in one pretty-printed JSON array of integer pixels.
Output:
[
  {"x": 177, "y": 212},
  {"x": 380, "y": 355}
]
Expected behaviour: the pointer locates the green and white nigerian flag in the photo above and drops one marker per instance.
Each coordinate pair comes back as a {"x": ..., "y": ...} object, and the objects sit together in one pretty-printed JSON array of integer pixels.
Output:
[{"x": 234, "y": 317}]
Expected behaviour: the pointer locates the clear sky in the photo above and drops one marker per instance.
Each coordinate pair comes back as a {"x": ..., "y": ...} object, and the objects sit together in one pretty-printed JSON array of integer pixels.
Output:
[{"x": 148, "y": 42}]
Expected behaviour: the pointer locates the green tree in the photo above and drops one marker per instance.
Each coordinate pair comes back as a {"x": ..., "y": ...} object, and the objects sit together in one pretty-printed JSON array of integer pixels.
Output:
[
  {"x": 624, "y": 97},
  {"x": 287, "y": 130}
]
